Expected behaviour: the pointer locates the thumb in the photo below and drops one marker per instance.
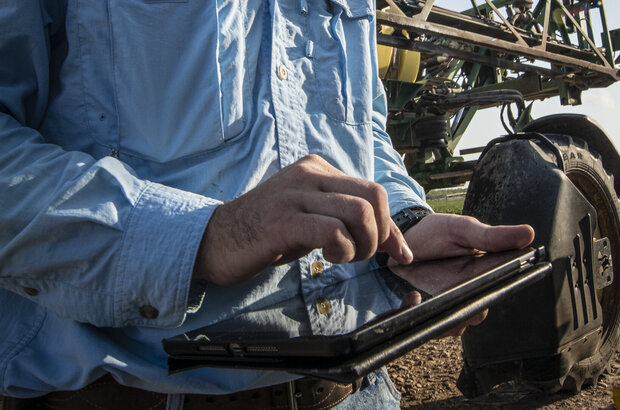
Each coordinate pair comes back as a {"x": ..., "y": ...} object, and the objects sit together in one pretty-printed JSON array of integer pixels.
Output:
[{"x": 478, "y": 235}]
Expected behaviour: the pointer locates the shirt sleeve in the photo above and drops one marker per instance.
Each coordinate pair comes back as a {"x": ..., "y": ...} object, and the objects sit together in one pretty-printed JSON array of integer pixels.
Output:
[
  {"x": 390, "y": 171},
  {"x": 84, "y": 237}
]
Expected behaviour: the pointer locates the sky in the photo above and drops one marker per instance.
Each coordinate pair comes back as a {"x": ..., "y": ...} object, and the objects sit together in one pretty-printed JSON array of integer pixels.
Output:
[{"x": 602, "y": 105}]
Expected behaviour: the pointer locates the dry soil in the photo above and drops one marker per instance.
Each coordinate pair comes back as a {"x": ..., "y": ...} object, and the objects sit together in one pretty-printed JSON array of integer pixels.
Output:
[{"x": 427, "y": 378}]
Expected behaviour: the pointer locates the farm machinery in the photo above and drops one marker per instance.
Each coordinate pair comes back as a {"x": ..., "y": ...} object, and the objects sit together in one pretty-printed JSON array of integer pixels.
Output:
[{"x": 440, "y": 67}]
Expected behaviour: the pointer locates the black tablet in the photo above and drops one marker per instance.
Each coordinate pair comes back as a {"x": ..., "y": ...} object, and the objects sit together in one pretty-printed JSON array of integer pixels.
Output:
[{"x": 452, "y": 290}]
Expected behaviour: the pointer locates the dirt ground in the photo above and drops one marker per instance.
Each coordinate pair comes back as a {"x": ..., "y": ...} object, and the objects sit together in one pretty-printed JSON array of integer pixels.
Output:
[{"x": 427, "y": 378}]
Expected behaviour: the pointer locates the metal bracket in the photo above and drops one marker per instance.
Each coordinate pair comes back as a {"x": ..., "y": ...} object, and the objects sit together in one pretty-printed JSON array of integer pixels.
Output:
[{"x": 602, "y": 263}]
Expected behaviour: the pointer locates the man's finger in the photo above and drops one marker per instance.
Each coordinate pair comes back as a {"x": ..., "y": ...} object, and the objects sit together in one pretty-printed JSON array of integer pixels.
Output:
[
  {"x": 320, "y": 231},
  {"x": 396, "y": 246},
  {"x": 476, "y": 235},
  {"x": 375, "y": 194},
  {"x": 356, "y": 213},
  {"x": 412, "y": 298},
  {"x": 460, "y": 329},
  {"x": 318, "y": 173}
]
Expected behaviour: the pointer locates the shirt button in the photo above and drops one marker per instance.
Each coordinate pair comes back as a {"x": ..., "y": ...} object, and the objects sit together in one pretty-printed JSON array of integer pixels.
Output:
[
  {"x": 324, "y": 306},
  {"x": 316, "y": 269},
  {"x": 148, "y": 312},
  {"x": 282, "y": 73},
  {"x": 30, "y": 291}
]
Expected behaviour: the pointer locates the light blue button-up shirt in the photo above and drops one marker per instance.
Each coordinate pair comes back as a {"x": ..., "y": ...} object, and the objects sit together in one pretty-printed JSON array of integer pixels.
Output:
[{"x": 123, "y": 125}]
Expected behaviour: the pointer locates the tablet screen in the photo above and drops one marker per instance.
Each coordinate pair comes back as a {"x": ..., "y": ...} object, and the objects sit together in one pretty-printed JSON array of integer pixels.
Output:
[
  {"x": 432, "y": 278},
  {"x": 380, "y": 303}
]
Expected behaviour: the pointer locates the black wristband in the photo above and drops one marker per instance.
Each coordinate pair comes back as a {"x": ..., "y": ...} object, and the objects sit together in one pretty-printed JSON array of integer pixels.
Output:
[{"x": 408, "y": 217}]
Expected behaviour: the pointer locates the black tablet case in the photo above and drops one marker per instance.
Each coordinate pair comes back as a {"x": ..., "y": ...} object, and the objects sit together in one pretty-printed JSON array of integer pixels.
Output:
[{"x": 347, "y": 357}]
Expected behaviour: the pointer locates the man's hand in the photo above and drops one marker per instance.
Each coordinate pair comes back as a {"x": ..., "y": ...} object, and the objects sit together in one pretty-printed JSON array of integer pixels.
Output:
[
  {"x": 444, "y": 235},
  {"x": 304, "y": 206}
]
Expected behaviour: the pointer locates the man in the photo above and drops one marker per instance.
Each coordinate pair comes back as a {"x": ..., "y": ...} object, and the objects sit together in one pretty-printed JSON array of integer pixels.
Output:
[{"x": 169, "y": 164}]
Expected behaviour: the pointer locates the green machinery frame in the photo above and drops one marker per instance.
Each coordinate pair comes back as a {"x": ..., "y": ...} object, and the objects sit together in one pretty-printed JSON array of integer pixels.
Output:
[{"x": 497, "y": 53}]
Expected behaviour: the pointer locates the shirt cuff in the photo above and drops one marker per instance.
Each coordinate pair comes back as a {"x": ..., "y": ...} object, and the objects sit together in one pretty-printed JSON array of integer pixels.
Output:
[
  {"x": 157, "y": 257},
  {"x": 400, "y": 197}
]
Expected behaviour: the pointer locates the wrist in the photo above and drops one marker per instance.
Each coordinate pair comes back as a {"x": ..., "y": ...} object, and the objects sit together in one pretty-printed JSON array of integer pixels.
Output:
[{"x": 205, "y": 257}]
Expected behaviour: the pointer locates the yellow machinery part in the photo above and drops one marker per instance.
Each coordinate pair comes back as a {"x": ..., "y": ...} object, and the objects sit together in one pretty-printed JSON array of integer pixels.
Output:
[
  {"x": 408, "y": 61},
  {"x": 385, "y": 53},
  {"x": 409, "y": 66}
]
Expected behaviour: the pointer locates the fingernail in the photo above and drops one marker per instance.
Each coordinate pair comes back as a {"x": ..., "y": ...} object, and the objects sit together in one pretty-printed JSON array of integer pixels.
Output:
[{"x": 405, "y": 251}]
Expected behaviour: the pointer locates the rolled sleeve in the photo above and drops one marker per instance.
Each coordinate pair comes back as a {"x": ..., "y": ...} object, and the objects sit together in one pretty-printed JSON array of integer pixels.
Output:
[
  {"x": 389, "y": 168},
  {"x": 390, "y": 172},
  {"x": 157, "y": 256}
]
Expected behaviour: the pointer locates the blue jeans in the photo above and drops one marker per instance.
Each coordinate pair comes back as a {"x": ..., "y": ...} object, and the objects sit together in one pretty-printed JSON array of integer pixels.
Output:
[{"x": 376, "y": 392}]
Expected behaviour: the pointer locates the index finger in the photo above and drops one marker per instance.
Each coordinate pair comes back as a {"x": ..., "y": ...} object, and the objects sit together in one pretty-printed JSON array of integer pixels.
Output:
[{"x": 396, "y": 246}]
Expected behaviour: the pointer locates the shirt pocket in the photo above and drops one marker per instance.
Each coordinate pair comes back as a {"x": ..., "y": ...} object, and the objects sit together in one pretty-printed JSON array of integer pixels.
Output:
[
  {"x": 164, "y": 71},
  {"x": 343, "y": 50}
]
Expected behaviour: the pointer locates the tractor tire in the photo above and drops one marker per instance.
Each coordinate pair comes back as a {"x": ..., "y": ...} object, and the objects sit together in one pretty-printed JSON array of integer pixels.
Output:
[{"x": 584, "y": 169}]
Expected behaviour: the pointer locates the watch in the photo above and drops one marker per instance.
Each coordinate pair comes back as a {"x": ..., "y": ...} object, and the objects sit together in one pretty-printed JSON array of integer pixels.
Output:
[{"x": 408, "y": 217}]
